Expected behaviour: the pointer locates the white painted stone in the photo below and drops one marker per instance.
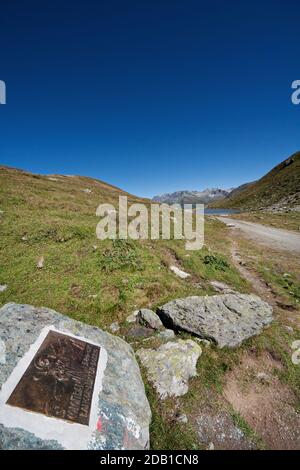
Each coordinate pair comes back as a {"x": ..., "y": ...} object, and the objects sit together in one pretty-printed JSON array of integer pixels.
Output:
[
  {"x": 179, "y": 272},
  {"x": 3, "y": 288}
]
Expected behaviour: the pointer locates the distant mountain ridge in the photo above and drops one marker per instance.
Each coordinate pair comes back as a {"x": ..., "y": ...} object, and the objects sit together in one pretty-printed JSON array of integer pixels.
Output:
[{"x": 192, "y": 197}]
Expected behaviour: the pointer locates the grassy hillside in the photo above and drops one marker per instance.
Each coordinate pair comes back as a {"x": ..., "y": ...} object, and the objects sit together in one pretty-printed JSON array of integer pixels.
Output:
[
  {"x": 95, "y": 281},
  {"x": 279, "y": 187}
]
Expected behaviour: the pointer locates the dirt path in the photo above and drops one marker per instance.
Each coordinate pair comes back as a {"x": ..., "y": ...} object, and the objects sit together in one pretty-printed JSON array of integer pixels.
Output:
[
  {"x": 273, "y": 237},
  {"x": 259, "y": 285}
]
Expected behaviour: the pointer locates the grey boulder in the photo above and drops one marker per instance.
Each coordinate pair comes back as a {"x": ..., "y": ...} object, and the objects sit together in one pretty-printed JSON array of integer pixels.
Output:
[
  {"x": 170, "y": 366},
  {"x": 227, "y": 319},
  {"x": 121, "y": 412},
  {"x": 150, "y": 319}
]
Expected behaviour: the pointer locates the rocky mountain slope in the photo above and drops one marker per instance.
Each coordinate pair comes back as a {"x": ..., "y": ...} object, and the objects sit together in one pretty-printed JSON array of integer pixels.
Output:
[
  {"x": 278, "y": 190},
  {"x": 192, "y": 197}
]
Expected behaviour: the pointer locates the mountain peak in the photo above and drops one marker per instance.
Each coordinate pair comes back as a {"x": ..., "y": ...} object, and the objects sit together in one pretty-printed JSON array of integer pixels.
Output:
[{"x": 192, "y": 197}]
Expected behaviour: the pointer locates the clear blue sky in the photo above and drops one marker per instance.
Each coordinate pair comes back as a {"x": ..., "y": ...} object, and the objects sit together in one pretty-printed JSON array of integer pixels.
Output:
[{"x": 150, "y": 95}]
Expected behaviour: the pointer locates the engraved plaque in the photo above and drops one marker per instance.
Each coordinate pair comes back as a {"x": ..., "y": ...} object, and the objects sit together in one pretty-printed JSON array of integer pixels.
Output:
[{"x": 59, "y": 381}]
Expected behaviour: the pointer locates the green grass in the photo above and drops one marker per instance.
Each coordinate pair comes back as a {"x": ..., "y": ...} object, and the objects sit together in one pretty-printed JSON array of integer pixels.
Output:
[
  {"x": 95, "y": 281},
  {"x": 286, "y": 284},
  {"x": 165, "y": 431},
  {"x": 124, "y": 254}
]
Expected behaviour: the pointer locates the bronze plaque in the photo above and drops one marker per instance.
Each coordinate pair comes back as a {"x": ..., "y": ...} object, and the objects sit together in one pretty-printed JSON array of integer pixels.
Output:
[{"x": 60, "y": 379}]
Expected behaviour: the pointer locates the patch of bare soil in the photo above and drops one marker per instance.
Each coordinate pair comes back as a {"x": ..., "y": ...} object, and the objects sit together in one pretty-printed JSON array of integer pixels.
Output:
[
  {"x": 267, "y": 405},
  {"x": 220, "y": 431}
]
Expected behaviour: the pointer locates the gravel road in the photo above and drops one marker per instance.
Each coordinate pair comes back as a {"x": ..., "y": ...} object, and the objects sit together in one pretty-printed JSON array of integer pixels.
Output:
[{"x": 272, "y": 237}]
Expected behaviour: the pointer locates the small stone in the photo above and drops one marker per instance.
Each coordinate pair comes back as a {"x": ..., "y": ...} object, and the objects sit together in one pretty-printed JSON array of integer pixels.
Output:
[
  {"x": 203, "y": 341},
  {"x": 140, "y": 332},
  {"x": 264, "y": 378},
  {"x": 211, "y": 446},
  {"x": 40, "y": 263},
  {"x": 93, "y": 296},
  {"x": 95, "y": 247},
  {"x": 133, "y": 317},
  {"x": 87, "y": 191},
  {"x": 182, "y": 418},
  {"x": 166, "y": 334},
  {"x": 179, "y": 272},
  {"x": 149, "y": 318},
  {"x": 221, "y": 287},
  {"x": 114, "y": 327},
  {"x": 3, "y": 287},
  {"x": 290, "y": 329},
  {"x": 2, "y": 352},
  {"x": 24, "y": 239}
]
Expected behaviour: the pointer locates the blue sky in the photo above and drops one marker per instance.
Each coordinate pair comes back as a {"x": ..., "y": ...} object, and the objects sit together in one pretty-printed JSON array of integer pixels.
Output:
[{"x": 152, "y": 96}]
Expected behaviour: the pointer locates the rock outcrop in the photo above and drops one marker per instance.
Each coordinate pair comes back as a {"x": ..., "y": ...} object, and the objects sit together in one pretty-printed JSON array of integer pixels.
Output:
[
  {"x": 120, "y": 414},
  {"x": 227, "y": 319}
]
